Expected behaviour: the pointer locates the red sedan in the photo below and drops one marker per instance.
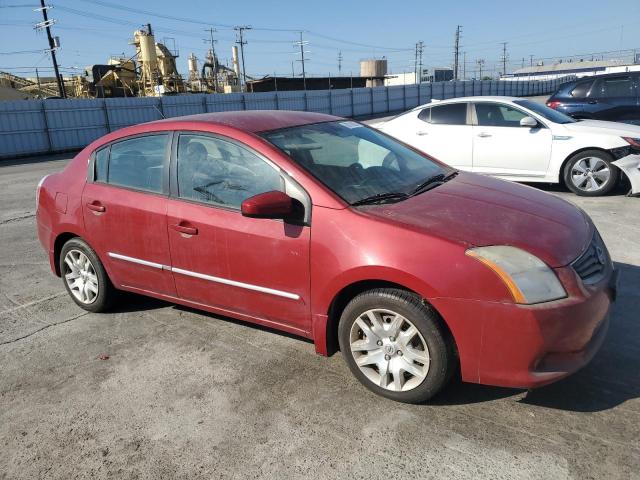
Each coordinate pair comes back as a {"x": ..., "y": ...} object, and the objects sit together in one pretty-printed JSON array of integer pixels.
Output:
[{"x": 333, "y": 231}]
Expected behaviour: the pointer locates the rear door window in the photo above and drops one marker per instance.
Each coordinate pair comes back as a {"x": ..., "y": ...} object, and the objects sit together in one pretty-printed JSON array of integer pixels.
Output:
[
  {"x": 621, "y": 86},
  {"x": 138, "y": 163},
  {"x": 450, "y": 114}
]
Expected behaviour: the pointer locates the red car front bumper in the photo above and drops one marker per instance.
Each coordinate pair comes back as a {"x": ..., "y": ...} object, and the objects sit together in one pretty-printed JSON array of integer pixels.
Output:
[{"x": 530, "y": 346}]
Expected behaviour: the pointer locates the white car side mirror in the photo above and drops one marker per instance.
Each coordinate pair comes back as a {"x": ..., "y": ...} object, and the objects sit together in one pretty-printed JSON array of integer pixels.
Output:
[{"x": 528, "y": 122}]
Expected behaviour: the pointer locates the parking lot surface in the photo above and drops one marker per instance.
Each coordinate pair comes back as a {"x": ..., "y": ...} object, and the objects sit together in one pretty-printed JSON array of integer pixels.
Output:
[{"x": 154, "y": 390}]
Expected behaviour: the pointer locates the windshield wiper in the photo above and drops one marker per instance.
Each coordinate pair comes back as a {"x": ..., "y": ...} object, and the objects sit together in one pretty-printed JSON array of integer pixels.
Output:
[
  {"x": 380, "y": 198},
  {"x": 432, "y": 182}
]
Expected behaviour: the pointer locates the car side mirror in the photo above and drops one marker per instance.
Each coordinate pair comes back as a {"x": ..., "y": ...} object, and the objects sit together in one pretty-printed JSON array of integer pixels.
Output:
[
  {"x": 268, "y": 205},
  {"x": 529, "y": 122}
]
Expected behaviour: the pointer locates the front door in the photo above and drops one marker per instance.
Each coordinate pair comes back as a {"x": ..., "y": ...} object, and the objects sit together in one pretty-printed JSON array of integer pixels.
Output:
[
  {"x": 501, "y": 147},
  {"x": 124, "y": 210},
  {"x": 255, "y": 267}
]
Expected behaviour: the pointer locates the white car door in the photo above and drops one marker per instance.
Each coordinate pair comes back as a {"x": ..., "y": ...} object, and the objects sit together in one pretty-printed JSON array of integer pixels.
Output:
[
  {"x": 442, "y": 131},
  {"x": 502, "y": 147}
]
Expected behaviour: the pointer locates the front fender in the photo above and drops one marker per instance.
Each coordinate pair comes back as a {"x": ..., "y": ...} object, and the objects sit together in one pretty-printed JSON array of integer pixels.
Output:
[{"x": 630, "y": 165}]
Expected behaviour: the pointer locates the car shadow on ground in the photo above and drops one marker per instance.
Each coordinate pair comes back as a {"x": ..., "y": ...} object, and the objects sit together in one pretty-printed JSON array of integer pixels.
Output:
[
  {"x": 612, "y": 377},
  {"x": 621, "y": 189}
]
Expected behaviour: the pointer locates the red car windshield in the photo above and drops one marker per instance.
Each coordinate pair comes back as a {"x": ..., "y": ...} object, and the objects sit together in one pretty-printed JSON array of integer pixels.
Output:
[{"x": 355, "y": 161}]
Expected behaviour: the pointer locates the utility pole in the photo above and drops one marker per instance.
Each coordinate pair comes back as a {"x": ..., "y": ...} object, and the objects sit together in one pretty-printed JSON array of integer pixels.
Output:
[
  {"x": 241, "y": 41},
  {"x": 480, "y": 63},
  {"x": 415, "y": 66},
  {"x": 38, "y": 79},
  {"x": 456, "y": 52},
  {"x": 215, "y": 59},
  {"x": 302, "y": 44},
  {"x": 504, "y": 58},
  {"x": 420, "y": 49},
  {"x": 53, "y": 45},
  {"x": 531, "y": 60},
  {"x": 339, "y": 62},
  {"x": 464, "y": 65}
]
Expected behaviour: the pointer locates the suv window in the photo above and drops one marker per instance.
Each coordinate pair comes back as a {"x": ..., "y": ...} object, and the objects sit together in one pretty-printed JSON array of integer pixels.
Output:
[
  {"x": 581, "y": 89},
  {"x": 218, "y": 172},
  {"x": 135, "y": 163},
  {"x": 451, "y": 114},
  {"x": 614, "y": 87},
  {"x": 498, "y": 115}
]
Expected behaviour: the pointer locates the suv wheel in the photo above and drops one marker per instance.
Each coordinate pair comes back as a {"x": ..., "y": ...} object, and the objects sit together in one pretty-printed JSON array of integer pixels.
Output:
[
  {"x": 590, "y": 173},
  {"x": 84, "y": 276},
  {"x": 393, "y": 343}
]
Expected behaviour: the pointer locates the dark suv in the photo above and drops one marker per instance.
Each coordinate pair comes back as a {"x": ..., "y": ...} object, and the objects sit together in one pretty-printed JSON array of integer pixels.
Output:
[{"x": 613, "y": 97}]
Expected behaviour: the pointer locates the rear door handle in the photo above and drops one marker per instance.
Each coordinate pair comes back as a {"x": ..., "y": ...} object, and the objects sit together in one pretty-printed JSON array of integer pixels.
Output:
[
  {"x": 592, "y": 102},
  {"x": 96, "y": 207},
  {"x": 187, "y": 230},
  {"x": 484, "y": 135},
  {"x": 422, "y": 132}
]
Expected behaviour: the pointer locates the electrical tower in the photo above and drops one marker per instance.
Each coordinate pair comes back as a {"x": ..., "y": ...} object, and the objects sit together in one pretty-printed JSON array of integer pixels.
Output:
[
  {"x": 302, "y": 43},
  {"x": 242, "y": 42},
  {"x": 54, "y": 43},
  {"x": 504, "y": 58},
  {"x": 456, "y": 52}
]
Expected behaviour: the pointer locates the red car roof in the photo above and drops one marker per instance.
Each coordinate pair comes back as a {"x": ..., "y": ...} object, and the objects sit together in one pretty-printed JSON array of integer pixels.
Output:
[{"x": 256, "y": 120}]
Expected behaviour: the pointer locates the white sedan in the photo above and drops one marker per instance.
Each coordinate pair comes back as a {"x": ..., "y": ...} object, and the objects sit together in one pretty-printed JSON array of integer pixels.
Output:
[{"x": 522, "y": 140}]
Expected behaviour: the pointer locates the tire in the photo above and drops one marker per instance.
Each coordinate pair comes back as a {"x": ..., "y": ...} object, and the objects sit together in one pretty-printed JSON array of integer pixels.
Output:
[
  {"x": 590, "y": 173},
  {"x": 76, "y": 273},
  {"x": 427, "y": 353}
]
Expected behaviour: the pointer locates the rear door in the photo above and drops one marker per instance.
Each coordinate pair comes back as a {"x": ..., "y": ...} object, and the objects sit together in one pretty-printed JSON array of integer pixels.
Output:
[
  {"x": 124, "y": 206},
  {"x": 255, "y": 267},
  {"x": 616, "y": 99},
  {"x": 444, "y": 132},
  {"x": 501, "y": 147}
]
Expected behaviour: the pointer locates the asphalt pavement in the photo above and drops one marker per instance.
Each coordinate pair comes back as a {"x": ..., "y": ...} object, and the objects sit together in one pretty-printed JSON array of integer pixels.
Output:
[{"x": 153, "y": 390}]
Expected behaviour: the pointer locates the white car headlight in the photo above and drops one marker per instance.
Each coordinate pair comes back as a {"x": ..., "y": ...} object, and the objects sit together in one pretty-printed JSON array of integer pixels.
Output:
[{"x": 527, "y": 277}]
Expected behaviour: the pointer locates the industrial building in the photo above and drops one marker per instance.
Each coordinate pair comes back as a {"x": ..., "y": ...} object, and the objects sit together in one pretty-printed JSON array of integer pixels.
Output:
[{"x": 579, "y": 68}]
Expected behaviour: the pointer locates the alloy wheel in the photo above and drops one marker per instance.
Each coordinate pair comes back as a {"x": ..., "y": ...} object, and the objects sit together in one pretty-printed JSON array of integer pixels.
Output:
[
  {"x": 80, "y": 276},
  {"x": 590, "y": 174},
  {"x": 389, "y": 350}
]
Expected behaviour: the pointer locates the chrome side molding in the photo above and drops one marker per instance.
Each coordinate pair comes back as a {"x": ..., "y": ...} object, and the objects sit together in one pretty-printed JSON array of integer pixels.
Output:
[{"x": 210, "y": 278}]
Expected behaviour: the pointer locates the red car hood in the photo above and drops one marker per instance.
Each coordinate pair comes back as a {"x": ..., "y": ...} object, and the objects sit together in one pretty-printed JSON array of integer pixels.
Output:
[{"x": 477, "y": 211}]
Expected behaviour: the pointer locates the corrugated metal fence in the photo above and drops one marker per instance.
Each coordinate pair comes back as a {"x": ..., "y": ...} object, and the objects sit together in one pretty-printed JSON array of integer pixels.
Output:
[{"x": 42, "y": 126}]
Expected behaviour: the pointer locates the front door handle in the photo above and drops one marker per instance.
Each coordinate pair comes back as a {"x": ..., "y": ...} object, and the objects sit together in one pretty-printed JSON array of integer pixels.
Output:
[
  {"x": 593, "y": 102},
  {"x": 484, "y": 135},
  {"x": 96, "y": 207},
  {"x": 185, "y": 229},
  {"x": 422, "y": 132}
]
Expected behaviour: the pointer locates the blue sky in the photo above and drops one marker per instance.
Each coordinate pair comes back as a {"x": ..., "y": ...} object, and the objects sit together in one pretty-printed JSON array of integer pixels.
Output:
[{"x": 92, "y": 30}]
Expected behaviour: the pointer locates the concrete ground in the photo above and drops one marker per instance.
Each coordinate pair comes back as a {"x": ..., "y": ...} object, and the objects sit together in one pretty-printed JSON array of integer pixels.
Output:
[{"x": 153, "y": 390}]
